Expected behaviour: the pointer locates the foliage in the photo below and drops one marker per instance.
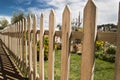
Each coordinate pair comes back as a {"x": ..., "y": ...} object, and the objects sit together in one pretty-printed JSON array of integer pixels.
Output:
[
  {"x": 4, "y": 23},
  {"x": 105, "y": 57},
  {"x": 45, "y": 49},
  {"x": 17, "y": 17},
  {"x": 111, "y": 50},
  {"x": 108, "y": 52},
  {"x": 59, "y": 27},
  {"x": 108, "y": 25},
  {"x": 99, "y": 45}
]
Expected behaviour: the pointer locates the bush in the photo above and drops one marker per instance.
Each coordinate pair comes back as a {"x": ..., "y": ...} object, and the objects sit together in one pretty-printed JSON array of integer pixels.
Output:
[
  {"x": 105, "y": 57},
  {"x": 45, "y": 49},
  {"x": 111, "y": 51}
]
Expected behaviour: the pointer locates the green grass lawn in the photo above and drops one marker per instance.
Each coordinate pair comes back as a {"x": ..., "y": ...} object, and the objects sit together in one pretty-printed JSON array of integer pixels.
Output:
[{"x": 103, "y": 70}]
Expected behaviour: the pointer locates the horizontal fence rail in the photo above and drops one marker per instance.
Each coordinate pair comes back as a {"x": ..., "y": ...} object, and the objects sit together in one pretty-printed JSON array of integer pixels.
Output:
[
  {"x": 101, "y": 36},
  {"x": 21, "y": 40}
]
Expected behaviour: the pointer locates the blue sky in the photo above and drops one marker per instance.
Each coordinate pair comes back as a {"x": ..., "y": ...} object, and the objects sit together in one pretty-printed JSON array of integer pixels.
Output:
[{"x": 107, "y": 11}]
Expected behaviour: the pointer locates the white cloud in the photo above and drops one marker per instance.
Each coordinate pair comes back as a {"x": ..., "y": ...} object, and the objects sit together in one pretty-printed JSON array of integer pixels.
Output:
[
  {"x": 6, "y": 17},
  {"x": 107, "y": 10}
]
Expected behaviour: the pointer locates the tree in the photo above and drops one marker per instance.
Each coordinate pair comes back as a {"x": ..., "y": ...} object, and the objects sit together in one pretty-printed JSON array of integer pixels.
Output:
[
  {"x": 17, "y": 17},
  {"x": 3, "y": 23},
  {"x": 59, "y": 27}
]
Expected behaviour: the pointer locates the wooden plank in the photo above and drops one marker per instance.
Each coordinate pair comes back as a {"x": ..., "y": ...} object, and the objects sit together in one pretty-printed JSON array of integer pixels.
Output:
[
  {"x": 41, "y": 54},
  {"x": 20, "y": 34},
  {"x": 101, "y": 36},
  {"x": 34, "y": 48},
  {"x": 107, "y": 36},
  {"x": 29, "y": 47},
  {"x": 17, "y": 39},
  {"x": 22, "y": 39},
  {"x": 117, "y": 59},
  {"x": 89, "y": 38},
  {"x": 66, "y": 31},
  {"x": 51, "y": 46},
  {"x": 25, "y": 42}
]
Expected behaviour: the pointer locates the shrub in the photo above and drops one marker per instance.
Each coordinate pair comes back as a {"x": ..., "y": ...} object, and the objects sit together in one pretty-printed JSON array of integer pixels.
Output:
[
  {"x": 105, "y": 57},
  {"x": 45, "y": 49},
  {"x": 111, "y": 50}
]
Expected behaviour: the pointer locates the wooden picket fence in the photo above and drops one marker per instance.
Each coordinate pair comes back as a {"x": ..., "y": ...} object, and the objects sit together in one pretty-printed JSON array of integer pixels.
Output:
[{"x": 21, "y": 39}]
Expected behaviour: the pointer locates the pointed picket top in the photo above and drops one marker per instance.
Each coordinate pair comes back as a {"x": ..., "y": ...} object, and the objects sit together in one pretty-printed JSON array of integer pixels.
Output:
[
  {"x": 41, "y": 15},
  {"x": 41, "y": 21},
  {"x": 20, "y": 26},
  {"x": 25, "y": 23},
  {"x": 67, "y": 10},
  {"x": 90, "y": 4},
  {"x": 66, "y": 19},
  {"x": 51, "y": 19},
  {"x": 34, "y": 22},
  {"x": 52, "y": 13},
  {"x": 29, "y": 22}
]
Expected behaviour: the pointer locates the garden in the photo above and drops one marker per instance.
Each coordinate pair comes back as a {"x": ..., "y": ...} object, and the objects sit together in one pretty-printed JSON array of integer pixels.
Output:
[{"x": 104, "y": 62}]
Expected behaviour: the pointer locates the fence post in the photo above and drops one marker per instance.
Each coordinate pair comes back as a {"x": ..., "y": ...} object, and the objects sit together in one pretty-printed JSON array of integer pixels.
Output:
[
  {"x": 29, "y": 47},
  {"x": 65, "y": 54},
  {"x": 51, "y": 46},
  {"x": 25, "y": 42},
  {"x": 117, "y": 59},
  {"x": 34, "y": 47},
  {"x": 41, "y": 54},
  {"x": 89, "y": 38},
  {"x": 17, "y": 40},
  {"x": 22, "y": 43}
]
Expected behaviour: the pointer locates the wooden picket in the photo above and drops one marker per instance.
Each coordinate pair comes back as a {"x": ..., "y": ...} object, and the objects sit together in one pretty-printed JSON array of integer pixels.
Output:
[
  {"x": 34, "y": 47},
  {"x": 29, "y": 47},
  {"x": 89, "y": 38},
  {"x": 21, "y": 39},
  {"x": 41, "y": 54},
  {"x": 51, "y": 46},
  {"x": 66, "y": 31},
  {"x": 117, "y": 60}
]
